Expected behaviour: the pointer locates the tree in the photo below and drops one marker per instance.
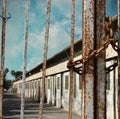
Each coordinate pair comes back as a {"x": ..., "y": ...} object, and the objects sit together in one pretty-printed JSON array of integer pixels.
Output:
[
  {"x": 5, "y": 72},
  {"x": 16, "y": 74},
  {"x": 13, "y": 73},
  {"x": 5, "y": 84}
]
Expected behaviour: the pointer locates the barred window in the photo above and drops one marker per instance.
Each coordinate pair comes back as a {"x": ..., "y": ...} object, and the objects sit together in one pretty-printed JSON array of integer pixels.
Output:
[{"x": 66, "y": 82}]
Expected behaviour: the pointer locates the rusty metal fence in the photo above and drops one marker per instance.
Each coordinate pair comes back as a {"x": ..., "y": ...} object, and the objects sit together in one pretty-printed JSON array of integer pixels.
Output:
[{"x": 97, "y": 36}]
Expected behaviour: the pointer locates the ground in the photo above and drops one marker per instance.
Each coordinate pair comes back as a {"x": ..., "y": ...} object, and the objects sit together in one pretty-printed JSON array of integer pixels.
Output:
[{"x": 11, "y": 109}]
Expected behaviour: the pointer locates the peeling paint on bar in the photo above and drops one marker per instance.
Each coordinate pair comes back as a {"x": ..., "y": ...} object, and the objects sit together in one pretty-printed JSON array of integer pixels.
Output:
[
  {"x": 88, "y": 73},
  {"x": 94, "y": 94},
  {"x": 119, "y": 61},
  {"x": 2, "y": 55},
  {"x": 71, "y": 59},
  {"x": 100, "y": 80}
]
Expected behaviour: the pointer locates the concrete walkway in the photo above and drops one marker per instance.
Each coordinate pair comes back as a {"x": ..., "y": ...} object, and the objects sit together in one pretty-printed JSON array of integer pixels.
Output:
[{"x": 11, "y": 109}]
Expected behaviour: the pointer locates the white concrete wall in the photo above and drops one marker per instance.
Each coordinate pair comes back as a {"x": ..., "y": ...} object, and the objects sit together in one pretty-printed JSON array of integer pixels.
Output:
[
  {"x": 54, "y": 96},
  {"x": 110, "y": 99}
]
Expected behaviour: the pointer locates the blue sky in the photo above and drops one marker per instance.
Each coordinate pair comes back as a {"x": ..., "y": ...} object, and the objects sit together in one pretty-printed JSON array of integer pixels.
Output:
[{"x": 59, "y": 35}]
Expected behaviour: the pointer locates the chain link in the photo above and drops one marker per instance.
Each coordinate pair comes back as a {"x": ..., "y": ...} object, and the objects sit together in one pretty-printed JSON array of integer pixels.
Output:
[{"x": 110, "y": 39}]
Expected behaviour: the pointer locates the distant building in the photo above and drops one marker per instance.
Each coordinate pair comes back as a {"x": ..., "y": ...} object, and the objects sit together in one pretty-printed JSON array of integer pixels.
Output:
[{"x": 58, "y": 80}]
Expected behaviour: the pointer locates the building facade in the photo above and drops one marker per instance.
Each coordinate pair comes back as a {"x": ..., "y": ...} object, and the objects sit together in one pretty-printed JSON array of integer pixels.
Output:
[{"x": 58, "y": 80}]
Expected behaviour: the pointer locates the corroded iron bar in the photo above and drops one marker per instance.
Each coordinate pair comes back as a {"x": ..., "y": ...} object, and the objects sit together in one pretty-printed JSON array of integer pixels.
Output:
[
  {"x": 42, "y": 95},
  {"x": 88, "y": 67},
  {"x": 100, "y": 73},
  {"x": 119, "y": 14},
  {"x": 93, "y": 90},
  {"x": 71, "y": 59},
  {"x": 119, "y": 61},
  {"x": 24, "y": 62},
  {"x": 2, "y": 55}
]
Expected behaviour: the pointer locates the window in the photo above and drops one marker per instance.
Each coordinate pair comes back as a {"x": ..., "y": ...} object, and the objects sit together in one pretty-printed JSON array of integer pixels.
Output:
[
  {"x": 108, "y": 81},
  {"x": 58, "y": 82},
  {"x": 74, "y": 85},
  {"x": 53, "y": 85},
  {"x": 66, "y": 82},
  {"x": 20, "y": 85},
  {"x": 26, "y": 85},
  {"x": 48, "y": 83},
  {"x": 80, "y": 82}
]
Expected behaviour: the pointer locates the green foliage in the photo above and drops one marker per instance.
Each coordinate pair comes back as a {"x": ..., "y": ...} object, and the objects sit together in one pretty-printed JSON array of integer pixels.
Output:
[
  {"x": 16, "y": 74},
  {"x": 5, "y": 72},
  {"x": 6, "y": 83}
]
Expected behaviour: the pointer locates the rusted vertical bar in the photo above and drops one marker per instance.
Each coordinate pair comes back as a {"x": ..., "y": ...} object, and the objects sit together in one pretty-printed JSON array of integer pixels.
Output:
[
  {"x": 71, "y": 59},
  {"x": 45, "y": 59},
  {"x": 119, "y": 61},
  {"x": 2, "y": 55},
  {"x": 119, "y": 14},
  {"x": 114, "y": 92},
  {"x": 88, "y": 67},
  {"x": 100, "y": 77},
  {"x": 24, "y": 62},
  {"x": 94, "y": 100}
]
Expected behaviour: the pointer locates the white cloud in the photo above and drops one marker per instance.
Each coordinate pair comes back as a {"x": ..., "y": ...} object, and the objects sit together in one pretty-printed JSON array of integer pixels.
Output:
[
  {"x": 14, "y": 51},
  {"x": 35, "y": 49},
  {"x": 34, "y": 61},
  {"x": 32, "y": 18},
  {"x": 62, "y": 4},
  {"x": 41, "y": 5},
  {"x": 58, "y": 36},
  {"x": 34, "y": 40}
]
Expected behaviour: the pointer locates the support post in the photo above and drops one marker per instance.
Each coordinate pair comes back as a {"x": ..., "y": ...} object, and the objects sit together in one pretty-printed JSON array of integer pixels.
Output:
[
  {"x": 42, "y": 94},
  {"x": 71, "y": 59},
  {"x": 100, "y": 72},
  {"x": 118, "y": 61},
  {"x": 88, "y": 67},
  {"x": 93, "y": 90},
  {"x": 2, "y": 55},
  {"x": 24, "y": 62}
]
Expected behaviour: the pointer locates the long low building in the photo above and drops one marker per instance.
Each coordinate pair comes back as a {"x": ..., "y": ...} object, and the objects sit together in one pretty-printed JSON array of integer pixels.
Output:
[{"x": 57, "y": 83}]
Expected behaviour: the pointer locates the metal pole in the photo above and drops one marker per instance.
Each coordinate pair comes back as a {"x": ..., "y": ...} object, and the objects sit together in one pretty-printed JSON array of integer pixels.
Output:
[
  {"x": 93, "y": 90},
  {"x": 119, "y": 60},
  {"x": 24, "y": 62},
  {"x": 45, "y": 59},
  {"x": 88, "y": 67},
  {"x": 2, "y": 55},
  {"x": 100, "y": 73},
  {"x": 114, "y": 92},
  {"x": 118, "y": 14},
  {"x": 71, "y": 59}
]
